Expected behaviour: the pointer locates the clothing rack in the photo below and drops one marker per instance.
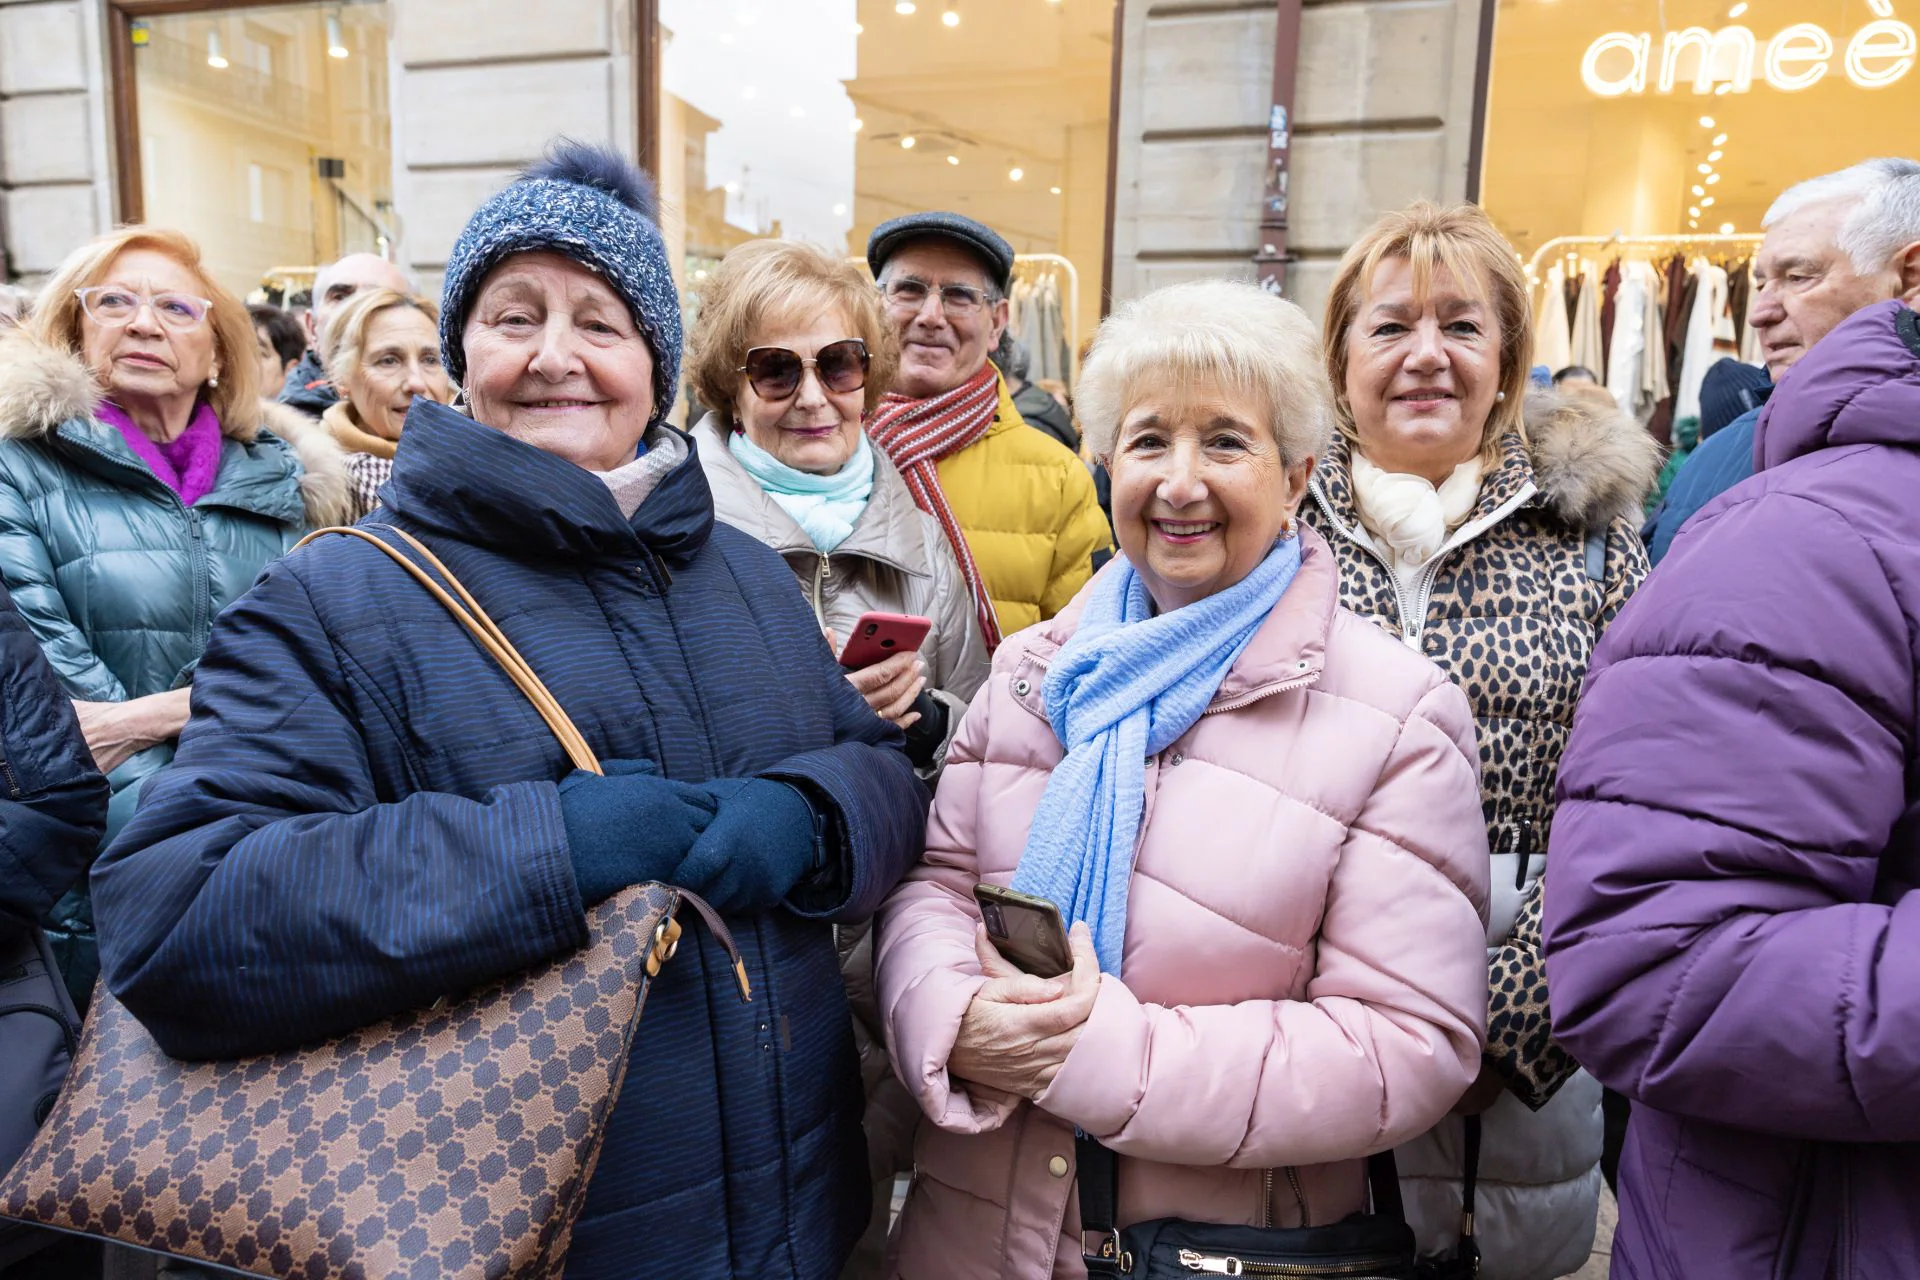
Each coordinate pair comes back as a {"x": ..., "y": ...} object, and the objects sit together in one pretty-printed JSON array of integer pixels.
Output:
[{"x": 1559, "y": 244}]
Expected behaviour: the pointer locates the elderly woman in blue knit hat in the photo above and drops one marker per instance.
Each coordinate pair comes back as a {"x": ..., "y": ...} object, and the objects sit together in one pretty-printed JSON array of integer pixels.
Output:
[{"x": 365, "y": 814}]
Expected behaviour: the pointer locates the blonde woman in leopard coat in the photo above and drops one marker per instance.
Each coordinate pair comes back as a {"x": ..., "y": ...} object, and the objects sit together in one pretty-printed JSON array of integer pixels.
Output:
[{"x": 1494, "y": 532}]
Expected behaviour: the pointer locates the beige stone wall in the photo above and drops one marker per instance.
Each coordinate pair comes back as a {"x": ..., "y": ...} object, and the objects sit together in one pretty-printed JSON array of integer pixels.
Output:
[
  {"x": 480, "y": 86},
  {"x": 1383, "y": 114},
  {"x": 55, "y": 187}
]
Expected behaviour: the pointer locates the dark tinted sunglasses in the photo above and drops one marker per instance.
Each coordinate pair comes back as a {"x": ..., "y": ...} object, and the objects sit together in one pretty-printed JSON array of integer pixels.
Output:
[{"x": 774, "y": 373}]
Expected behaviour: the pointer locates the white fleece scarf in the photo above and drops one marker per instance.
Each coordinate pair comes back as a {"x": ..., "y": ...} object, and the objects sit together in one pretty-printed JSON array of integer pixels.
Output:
[{"x": 1407, "y": 515}]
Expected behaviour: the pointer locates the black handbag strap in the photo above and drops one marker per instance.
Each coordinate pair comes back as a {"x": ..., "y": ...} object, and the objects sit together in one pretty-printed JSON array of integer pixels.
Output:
[{"x": 1098, "y": 1178}]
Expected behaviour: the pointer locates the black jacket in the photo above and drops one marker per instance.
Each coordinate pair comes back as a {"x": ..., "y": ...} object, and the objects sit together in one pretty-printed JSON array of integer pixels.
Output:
[
  {"x": 308, "y": 388},
  {"x": 53, "y": 802}
]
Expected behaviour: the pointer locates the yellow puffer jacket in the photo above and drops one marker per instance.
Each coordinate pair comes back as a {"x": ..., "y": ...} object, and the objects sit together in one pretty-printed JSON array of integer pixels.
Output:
[{"x": 1027, "y": 506}]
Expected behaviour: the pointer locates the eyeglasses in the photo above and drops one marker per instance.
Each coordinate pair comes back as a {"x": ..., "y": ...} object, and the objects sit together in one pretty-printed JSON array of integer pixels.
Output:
[
  {"x": 774, "y": 373},
  {"x": 112, "y": 305},
  {"x": 955, "y": 299}
]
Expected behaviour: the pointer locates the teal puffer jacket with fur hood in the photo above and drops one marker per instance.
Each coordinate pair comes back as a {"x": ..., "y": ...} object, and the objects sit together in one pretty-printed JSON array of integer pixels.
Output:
[{"x": 119, "y": 581}]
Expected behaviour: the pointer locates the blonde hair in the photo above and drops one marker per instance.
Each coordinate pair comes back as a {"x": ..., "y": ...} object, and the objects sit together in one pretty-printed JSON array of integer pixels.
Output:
[
  {"x": 347, "y": 332},
  {"x": 1463, "y": 241},
  {"x": 1237, "y": 335},
  {"x": 764, "y": 283},
  {"x": 56, "y": 320}
]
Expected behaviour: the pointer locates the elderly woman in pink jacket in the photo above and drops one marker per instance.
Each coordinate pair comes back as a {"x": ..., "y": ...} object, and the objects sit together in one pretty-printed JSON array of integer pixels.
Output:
[{"x": 1260, "y": 812}]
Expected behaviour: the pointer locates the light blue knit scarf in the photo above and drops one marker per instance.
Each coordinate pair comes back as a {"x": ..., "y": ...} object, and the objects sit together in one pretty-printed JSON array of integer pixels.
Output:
[
  {"x": 1125, "y": 687},
  {"x": 825, "y": 507}
]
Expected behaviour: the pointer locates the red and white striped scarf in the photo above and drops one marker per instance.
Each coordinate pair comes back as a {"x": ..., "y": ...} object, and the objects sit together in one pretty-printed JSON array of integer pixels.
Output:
[{"x": 916, "y": 435}]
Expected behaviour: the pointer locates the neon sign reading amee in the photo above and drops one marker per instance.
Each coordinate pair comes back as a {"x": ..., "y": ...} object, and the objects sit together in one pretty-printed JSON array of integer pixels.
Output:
[{"x": 1731, "y": 59}]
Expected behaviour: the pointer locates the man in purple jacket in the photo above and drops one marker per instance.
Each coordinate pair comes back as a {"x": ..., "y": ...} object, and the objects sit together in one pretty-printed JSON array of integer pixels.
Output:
[{"x": 1733, "y": 936}]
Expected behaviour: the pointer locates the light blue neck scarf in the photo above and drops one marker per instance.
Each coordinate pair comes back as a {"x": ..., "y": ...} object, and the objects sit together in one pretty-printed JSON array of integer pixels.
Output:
[
  {"x": 825, "y": 507},
  {"x": 1125, "y": 687}
]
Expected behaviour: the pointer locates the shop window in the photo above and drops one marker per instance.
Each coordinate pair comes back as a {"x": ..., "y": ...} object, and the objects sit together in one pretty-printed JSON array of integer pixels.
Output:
[
  {"x": 1686, "y": 117},
  {"x": 819, "y": 119},
  {"x": 264, "y": 134}
]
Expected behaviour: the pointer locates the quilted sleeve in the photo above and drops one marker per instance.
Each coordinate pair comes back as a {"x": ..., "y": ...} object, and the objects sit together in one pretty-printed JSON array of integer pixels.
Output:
[
  {"x": 28, "y": 571},
  {"x": 1520, "y": 1042}
]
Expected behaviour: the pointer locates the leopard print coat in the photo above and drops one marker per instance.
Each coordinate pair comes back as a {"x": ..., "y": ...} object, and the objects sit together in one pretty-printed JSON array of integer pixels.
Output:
[{"x": 1510, "y": 610}]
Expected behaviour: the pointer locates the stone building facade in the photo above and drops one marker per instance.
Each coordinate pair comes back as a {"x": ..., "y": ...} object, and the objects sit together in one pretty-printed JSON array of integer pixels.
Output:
[{"x": 1383, "y": 113}]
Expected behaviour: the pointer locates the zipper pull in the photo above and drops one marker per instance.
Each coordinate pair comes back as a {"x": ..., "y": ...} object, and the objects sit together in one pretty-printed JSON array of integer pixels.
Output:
[
  {"x": 1211, "y": 1266},
  {"x": 719, "y": 930}
]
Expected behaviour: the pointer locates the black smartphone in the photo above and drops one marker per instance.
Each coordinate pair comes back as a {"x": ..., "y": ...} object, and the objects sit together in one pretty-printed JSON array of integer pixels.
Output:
[{"x": 1026, "y": 929}]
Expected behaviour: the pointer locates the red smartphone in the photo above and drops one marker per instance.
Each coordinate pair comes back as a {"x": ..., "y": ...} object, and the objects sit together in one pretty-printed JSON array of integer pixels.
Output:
[{"x": 878, "y": 636}]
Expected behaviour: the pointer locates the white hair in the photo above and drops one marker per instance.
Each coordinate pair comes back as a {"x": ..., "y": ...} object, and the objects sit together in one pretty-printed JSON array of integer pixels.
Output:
[
  {"x": 1236, "y": 334},
  {"x": 1886, "y": 218}
]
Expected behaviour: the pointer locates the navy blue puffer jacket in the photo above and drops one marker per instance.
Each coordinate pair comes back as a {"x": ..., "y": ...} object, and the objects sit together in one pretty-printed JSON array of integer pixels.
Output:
[{"x": 363, "y": 815}]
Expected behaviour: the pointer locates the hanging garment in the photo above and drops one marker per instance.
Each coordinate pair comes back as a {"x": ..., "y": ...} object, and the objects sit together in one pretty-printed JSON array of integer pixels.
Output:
[
  {"x": 1750, "y": 351},
  {"x": 1655, "y": 389},
  {"x": 1710, "y": 324},
  {"x": 1552, "y": 334},
  {"x": 1587, "y": 351},
  {"x": 1610, "y": 290},
  {"x": 1627, "y": 344}
]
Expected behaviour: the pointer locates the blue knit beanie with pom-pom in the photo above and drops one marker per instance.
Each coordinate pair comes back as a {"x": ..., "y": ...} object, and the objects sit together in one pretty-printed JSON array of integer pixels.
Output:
[{"x": 591, "y": 205}]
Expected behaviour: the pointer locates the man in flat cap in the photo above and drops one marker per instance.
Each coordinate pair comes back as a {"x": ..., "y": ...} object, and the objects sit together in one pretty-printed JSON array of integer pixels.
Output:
[{"x": 1018, "y": 507}]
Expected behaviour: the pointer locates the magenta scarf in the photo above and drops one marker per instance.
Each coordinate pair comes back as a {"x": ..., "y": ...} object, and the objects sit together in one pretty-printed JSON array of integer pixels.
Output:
[{"x": 187, "y": 464}]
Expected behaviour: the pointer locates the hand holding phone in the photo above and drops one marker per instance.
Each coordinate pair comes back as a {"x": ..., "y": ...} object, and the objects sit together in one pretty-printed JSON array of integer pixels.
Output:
[
  {"x": 1025, "y": 929},
  {"x": 878, "y": 636}
]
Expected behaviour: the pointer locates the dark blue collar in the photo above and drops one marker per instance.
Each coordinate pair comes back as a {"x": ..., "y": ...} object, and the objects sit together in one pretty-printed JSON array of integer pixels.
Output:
[{"x": 457, "y": 478}]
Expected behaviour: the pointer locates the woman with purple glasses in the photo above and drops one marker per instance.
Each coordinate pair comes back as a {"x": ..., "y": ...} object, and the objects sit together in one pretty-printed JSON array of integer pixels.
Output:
[{"x": 791, "y": 348}]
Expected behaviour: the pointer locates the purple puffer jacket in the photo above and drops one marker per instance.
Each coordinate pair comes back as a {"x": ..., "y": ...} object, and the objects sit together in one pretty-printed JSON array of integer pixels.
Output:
[{"x": 1732, "y": 936}]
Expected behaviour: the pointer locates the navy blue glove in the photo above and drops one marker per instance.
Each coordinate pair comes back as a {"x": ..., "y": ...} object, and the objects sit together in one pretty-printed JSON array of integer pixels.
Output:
[
  {"x": 763, "y": 840},
  {"x": 630, "y": 826}
]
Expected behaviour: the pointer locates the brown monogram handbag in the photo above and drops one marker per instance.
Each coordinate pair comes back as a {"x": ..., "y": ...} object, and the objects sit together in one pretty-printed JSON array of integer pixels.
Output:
[{"x": 455, "y": 1141}]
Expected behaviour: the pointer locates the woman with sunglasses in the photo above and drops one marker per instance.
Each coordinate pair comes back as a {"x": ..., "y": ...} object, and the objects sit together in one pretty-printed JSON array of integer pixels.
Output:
[
  {"x": 791, "y": 348},
  {"x": 143, "y": 486}
]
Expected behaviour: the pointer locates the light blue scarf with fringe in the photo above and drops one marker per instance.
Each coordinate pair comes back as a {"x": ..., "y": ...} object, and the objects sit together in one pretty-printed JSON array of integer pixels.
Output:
[
  {"x": 825, "y": 507},
  {"x": 1125, "y": 687}
]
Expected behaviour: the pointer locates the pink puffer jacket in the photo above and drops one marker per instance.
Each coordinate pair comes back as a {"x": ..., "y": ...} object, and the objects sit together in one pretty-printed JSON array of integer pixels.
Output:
[{"x": 1305, "y": 957}]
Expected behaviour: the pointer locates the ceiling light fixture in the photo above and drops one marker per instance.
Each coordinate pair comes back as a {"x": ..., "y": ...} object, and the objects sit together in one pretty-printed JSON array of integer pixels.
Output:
[
  {"x": 216, "y": 56},
  {"x": 336, "y": 47},
  {"x": 1694, "y": 212},
  {"x": 1707, "y": 203},
  {"x": 953, "y": 159},
  {"x": 1055, "y": 190},
  {"x": 1693, "y": 223},
  {"x": 1699, "y": 190},
  {"x": 1713, "y": 157},
  {"x": 1712, "y": 178},
  {"x": 1706, "y": 122},
  {"x": 1706, "y": 168},
  {"x": 1719, "y": 139},
  {"x": 951, "y": 17},
  {"x": 1738, "y": 10},
  {"x": 906, "y": 143},
  {"x": 1726, "y": 228},
  {"x": 1016, "y": 173},
  {"x": 904, "y": 7}
]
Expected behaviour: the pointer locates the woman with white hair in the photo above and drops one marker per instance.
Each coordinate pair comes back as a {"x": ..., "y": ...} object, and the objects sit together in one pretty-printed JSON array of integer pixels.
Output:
[{"x": 1259, "y": 812}]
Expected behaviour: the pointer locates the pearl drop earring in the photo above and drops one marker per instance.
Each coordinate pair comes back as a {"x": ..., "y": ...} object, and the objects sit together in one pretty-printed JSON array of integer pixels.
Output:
[{"x": 1500, "y": 396}]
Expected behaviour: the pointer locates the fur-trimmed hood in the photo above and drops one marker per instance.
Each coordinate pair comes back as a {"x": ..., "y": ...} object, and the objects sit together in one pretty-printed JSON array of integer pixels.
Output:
[
  {"x": 1591, "y": 462},
  {"x": 42, "y": 387}
]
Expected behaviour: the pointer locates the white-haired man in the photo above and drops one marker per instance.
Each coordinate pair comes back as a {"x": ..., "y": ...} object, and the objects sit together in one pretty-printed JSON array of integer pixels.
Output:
[
  {"x": 308, "y": 388},
  {"x": 1835, "y": 244}
]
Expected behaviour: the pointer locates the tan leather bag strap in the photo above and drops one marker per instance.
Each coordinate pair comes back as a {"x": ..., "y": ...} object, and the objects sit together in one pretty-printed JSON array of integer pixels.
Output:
[{"x": 484, "y": 629}]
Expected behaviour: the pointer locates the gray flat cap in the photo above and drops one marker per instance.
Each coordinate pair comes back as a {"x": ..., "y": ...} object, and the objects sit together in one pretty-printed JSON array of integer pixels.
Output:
[{"x": 995, "y": 253}]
